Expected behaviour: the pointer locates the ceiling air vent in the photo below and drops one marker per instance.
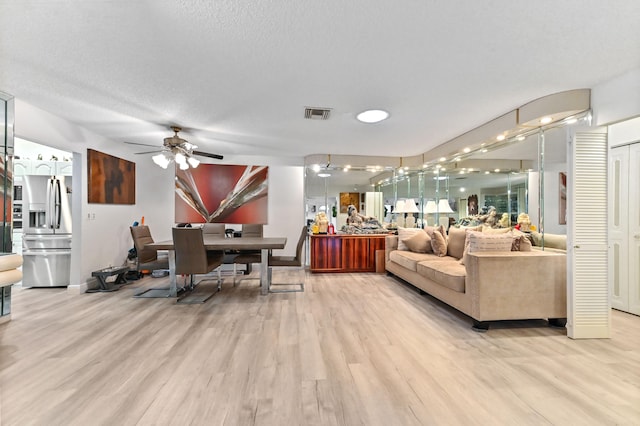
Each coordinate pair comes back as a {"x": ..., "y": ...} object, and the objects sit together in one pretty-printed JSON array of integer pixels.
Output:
[{"x": 313, "y": 113}]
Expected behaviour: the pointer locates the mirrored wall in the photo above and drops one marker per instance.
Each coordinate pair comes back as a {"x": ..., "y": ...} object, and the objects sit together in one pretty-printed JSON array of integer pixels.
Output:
[{"x": 494, "y": 185}]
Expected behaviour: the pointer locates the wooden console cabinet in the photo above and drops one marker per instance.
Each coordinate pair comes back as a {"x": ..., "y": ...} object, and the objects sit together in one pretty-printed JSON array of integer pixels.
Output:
[{"x": 345, "y": 252}]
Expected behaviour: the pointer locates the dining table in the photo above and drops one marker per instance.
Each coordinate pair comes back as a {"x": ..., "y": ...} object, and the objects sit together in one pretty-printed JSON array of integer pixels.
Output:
[{"x": 215, "y": 243}]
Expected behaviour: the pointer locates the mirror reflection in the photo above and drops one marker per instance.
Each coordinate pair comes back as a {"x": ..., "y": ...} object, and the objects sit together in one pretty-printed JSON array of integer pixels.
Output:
[{"x": 517, "y": 183}]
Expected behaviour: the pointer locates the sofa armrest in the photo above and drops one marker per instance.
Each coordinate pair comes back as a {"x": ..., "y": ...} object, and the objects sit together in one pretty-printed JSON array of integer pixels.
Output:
[
  {"x": 9, "y": 272},
  {"x": 390, "y": 244},
  {"x": 517, "y": 285}
]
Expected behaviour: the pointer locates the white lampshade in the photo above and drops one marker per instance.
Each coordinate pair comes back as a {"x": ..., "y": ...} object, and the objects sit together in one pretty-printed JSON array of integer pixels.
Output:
[
  {"x": 430, "y": 207},
  {"x": 443, "y": 206},
  {"x": 399, "y": 207},
  {"x": 410, "y": 206}
]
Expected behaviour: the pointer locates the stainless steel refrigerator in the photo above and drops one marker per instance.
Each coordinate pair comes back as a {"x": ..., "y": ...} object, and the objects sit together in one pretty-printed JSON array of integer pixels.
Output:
[{"x": 46, "y": 241}]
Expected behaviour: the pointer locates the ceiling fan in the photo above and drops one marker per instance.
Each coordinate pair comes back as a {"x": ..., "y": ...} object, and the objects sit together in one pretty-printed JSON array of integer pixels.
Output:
[{"x": 177, "y": 149}]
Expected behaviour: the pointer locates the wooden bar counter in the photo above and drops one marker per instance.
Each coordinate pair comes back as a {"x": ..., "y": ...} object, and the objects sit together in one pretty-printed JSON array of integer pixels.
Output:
[{"x": 346, "y": 252}]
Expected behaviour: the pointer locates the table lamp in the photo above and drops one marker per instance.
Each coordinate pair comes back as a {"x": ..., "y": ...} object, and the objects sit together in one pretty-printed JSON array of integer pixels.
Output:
[
  {"x": 444, "y": 207},
  {"x": 399, "y": 210},
  {"x": 429, "y": 208},
  {"x": 410, "y": 208}
]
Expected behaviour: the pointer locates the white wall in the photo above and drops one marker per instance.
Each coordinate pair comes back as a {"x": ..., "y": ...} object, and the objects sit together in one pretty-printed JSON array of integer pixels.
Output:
[
  {"x": 617, "y": 99},
  {"x": 101, "y": 235},
  {"x": 624, "y": 132},
  {"x": 105, "y": 239}
]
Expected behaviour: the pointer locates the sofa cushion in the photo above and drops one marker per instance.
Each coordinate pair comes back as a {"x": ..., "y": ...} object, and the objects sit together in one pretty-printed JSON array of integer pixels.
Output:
[
  {"x": 556, "y": 241},
  {"x": 455, "y": 243},
  {"x": 481, "y": 241},
  {"x": 408, "y": 259},
  {"x": 445, "y": 271},
  {"x": 420, "y": 242},
  {"x": 403, "y": 234}
]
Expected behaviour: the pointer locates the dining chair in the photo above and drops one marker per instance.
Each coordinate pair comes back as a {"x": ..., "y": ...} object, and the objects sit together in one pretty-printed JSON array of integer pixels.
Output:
[
  {"x": 214, "y": 229},
  {"x": 148, "y": 259},
  {"x": 296, "y": 261},
  {"x": 249, "y": 230},
  {"x": 193, "y": 258}
]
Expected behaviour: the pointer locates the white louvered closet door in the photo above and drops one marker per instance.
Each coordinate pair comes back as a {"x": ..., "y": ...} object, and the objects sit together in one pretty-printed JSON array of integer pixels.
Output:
[
  {"x": 624, "y": 229},
  {"x": 589, "y": 306},
  {"x": 619, "y": 227},
  {"x": 634, "y": 229}
]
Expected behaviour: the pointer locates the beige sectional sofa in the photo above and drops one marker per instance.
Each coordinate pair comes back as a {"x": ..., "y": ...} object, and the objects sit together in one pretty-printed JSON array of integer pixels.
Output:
[{"x": 490, "y": 285}]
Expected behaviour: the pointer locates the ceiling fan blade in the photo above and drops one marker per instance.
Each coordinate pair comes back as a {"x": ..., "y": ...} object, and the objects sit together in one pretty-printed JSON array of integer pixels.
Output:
[
  {"x": 206, "y": 154},
  {"x": 148, "y": 152},
  {"x": 136, "y": 143}
]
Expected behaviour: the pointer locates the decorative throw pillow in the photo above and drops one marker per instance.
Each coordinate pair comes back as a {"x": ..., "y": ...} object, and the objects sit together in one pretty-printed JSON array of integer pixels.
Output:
[
  {"x": 521, "y": 241},
  {"x": 439, "y": 228},
  {"x": 403, "y": 234},
  {"x": 480, "y": 241},
  {"x": 456, "y": 242},
  {"x": 438, "y": 241},
  {"x": 420, "y": 242}
]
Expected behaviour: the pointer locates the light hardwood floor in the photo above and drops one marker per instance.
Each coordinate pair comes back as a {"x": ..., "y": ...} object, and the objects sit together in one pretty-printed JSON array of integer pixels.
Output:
[{"x": 353, "y": 349}]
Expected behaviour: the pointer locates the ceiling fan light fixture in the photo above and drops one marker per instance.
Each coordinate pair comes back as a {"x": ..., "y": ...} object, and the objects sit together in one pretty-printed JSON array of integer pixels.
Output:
[
  {"x": 161, "y": 160},
  {"x": 193, "y": 162},
  {"x": 180, "y": 158}
]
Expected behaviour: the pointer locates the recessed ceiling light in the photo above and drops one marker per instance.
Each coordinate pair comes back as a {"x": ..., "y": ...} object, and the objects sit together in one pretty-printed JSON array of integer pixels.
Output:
[
  {"x": 442, "y": 159},
  {"x": 497, "y": 170},
  {"x": 466, "y": 150},
  {"x": 372, "y": 116},
  {"x": 500, "y": 137},
  {"x": 546, "y": 120},
  {"x": 520, "y": 138},
  {"x": 316, "y": 168},
  {"x": 485, "y": 150}
]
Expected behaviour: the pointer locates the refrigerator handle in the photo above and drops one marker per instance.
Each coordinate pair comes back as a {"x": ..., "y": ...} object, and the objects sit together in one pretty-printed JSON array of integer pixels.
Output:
[
  {"x": 48, "y": 210},
  {"x": 58, "y": 204}
]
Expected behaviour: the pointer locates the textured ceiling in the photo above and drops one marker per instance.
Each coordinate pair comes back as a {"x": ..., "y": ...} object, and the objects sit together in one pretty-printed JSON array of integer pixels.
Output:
[{"x": 238, "y": 74}]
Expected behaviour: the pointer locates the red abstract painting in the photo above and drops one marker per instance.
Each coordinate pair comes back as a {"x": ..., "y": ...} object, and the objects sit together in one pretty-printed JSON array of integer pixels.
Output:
[{"x": 222, "y": 194}]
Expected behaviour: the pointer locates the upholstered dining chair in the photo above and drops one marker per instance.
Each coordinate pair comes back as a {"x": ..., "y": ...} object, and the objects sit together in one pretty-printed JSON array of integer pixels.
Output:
[
  {"x": 249, "y": 230},
  {"x": 296, "y": 261},
  {"x": 148, "y": 259},
  {"x": 193, "y": 258},
  {"x": 214, "y": 229}
]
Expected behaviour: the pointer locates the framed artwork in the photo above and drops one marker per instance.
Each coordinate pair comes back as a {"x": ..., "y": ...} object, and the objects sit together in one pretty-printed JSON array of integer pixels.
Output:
[
  {"x": 112, "y": 180},
  {"x": 562, "y": 204},
  {"x": 347, "y": 198},
  {"x": 218, "y": 193},
  {"x": 472, "y": 204}
]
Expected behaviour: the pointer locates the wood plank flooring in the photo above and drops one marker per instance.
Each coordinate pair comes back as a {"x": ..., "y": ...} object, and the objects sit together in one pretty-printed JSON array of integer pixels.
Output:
[{"x": 353, "y": 349}]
